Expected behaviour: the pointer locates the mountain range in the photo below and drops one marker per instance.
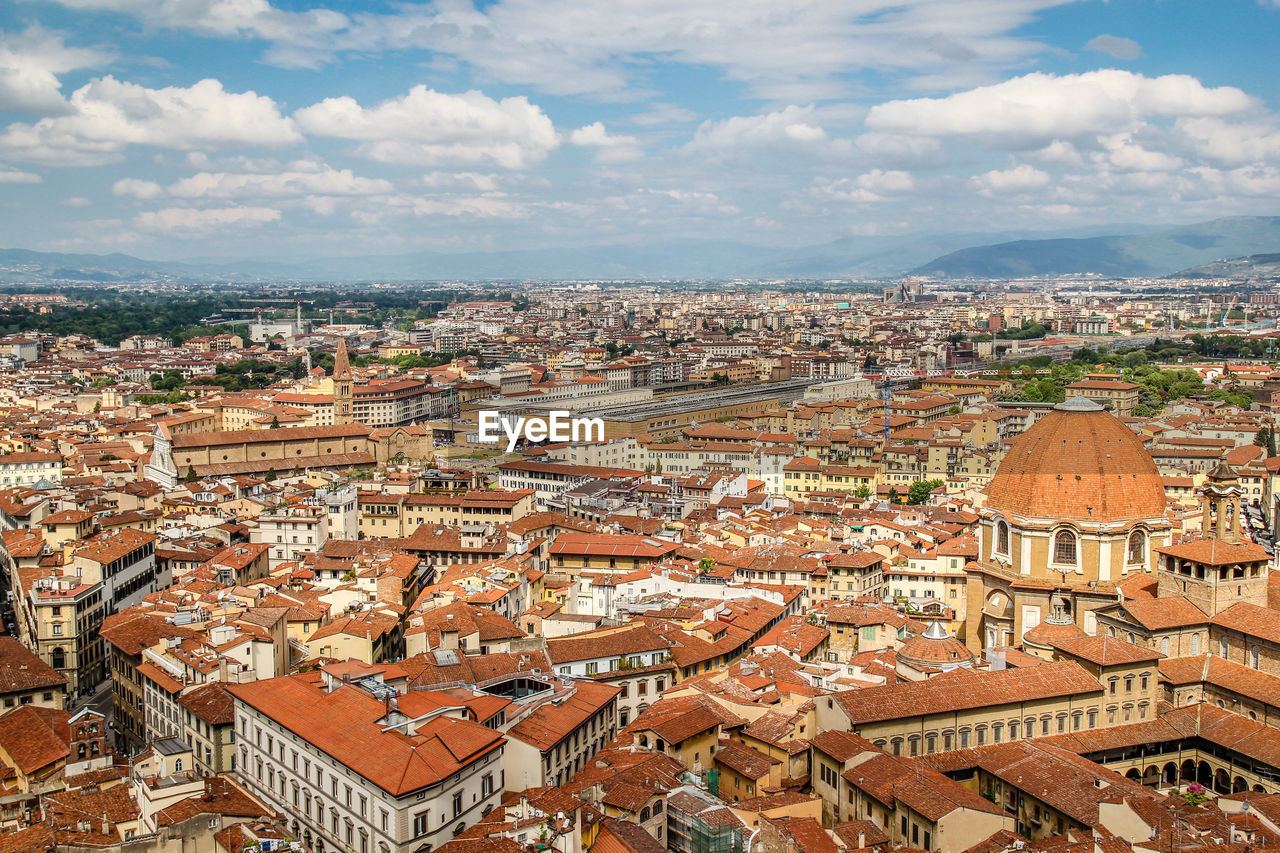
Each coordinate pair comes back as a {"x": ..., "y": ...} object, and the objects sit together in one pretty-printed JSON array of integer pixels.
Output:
[{"x": 1132, "y": 250}]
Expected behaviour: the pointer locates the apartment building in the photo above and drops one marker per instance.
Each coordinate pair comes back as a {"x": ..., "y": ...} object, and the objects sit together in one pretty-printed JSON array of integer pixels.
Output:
[
  {"x": 27, "y": 469},
  {"x": 403, "y": 773},
  {"x": 291, "y": 532},
  {"x": 59, "y": 611},
  {"x": 395, "y": 516}
]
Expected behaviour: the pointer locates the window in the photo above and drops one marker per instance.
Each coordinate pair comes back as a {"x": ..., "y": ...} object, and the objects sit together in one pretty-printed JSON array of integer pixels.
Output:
[
  {"x": 457, "y": 804},
  {"x": 1137, "y": 547},
  {"x": 1255, "y": 655},
  {"x": 1064, "y": 548},
  {"x": 1002, "y": 537},
  {"x": 1223, "y": 647}
]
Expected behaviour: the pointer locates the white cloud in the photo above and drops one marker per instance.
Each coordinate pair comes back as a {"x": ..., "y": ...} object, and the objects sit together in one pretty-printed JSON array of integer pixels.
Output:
[
  {"x": 16, "y": 176},
  {"x": 1232, "y": 143},
  {"x": 1045, "y": 106},
  {"x": 137, "y": 188},
  {"x": 1117, "y": 47},
  {"x": 875, "y": 185},
  {"x": 107, "y": 115},
  {"x": 781, "y": 48},
  {"x": 299, "y": 34},
  {"x": 425, "y": 127},
  {"x": 791, "y": 127},
  {"x": 1123, "y": 153},
  {"x": 610, "y": 148},
  {"x": 663, "y": 114},
  {"x": 288, "y": 183},
  {"x": 76, "y": 201},
  {"x": 1019, "y": 179},
  {"x": 195, "y": 222},
  {"x": 30, "y": 63}
]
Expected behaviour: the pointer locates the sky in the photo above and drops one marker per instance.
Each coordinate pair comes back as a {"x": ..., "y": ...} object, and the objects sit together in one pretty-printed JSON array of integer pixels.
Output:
[{"x": 283, "y": 129}]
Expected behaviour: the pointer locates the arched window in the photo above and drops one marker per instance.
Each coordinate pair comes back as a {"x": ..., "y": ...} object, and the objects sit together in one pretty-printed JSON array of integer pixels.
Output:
[
  {"x": 58, "y": 658},
  {"x": 1064, "y": 548},
  {"x": 1164, "y": 646},
  {"x": 1255, "y": 655},
  {"x": 1224, "y": 647},
  {"x": 644, "y": 814},
  {"x": 1137, "y": 547},
  {"x": 1002, "y": 537},
  {"x": 1195, "y": 644}
]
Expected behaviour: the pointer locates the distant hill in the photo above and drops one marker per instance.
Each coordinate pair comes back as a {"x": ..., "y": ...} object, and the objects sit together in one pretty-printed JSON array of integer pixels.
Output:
[
  {"x": 1142, "y": 251},
  {"x": 1157, "y": 253},
  {"x": 1252, "y": 266}
]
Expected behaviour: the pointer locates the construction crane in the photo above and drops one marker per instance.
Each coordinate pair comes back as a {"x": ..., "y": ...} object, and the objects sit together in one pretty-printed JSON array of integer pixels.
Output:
[
  {"x": 887, "y": 386},
  {"x": 1222, "y": 321}
]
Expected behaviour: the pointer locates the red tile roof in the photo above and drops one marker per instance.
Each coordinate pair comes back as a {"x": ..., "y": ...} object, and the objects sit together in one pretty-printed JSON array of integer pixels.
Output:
[{"x": 394, "y": 761}]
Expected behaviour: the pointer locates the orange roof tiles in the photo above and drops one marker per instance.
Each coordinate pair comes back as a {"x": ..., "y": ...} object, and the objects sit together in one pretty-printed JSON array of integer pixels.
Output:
[
  {"x": 1081, "y": 465},
  {"x": 963, "y": 689},
  {"x": 394, "y": 761}
]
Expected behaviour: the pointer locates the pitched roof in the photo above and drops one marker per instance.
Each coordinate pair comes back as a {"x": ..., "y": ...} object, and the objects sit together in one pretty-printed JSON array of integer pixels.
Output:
[
  {"x": 35, "y": 737},
  {"x": 1106, "y": 651},
  {"x": 21, "y": 669},
  {"x": 965, "y": 689},
  {"x": 396, "y": 762}
]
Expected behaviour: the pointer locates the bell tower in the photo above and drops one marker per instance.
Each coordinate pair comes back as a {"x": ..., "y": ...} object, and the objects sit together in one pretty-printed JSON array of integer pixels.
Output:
[
  {"x": 343, "y": 410},
  {"x": 1220, "y": 497}
]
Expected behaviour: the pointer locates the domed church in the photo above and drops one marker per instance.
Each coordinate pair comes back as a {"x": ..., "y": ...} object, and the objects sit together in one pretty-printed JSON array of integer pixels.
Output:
[{"x": 1076, "y": 506}]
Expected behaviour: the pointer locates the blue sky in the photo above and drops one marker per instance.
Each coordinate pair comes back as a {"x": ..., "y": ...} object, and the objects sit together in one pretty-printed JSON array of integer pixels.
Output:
[{"x": 246, "y": 128}]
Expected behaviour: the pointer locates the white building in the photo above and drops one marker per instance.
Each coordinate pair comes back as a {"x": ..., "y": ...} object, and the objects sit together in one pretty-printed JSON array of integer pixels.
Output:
[
  {"x": 291, "y": 532},
  {"x": 27, "y": 469},
  {"x": 356, "y": 766}
]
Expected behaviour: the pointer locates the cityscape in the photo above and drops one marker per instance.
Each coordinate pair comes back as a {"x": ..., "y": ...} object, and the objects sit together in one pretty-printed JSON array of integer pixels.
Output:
[{"x": 459, "y": 427}]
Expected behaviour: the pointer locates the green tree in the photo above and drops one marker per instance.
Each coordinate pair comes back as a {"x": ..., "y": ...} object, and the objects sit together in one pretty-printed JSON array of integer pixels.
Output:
[
  {"x": 921, "y": 489},
  {"x": 862, "y": 492},
  {"x": 190, "y": 475}
]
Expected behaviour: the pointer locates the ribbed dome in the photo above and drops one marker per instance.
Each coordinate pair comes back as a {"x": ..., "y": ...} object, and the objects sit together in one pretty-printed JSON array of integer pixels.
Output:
[
  {"x": 935, "y": 648},
  {"x": 1046, "y": 634},
  {"x": 1080, "y": 463}
]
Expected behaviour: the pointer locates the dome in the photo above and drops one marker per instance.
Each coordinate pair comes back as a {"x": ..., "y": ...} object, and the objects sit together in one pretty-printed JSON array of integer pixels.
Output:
[
  {"x": 1047, "y": 633},
  {"x": 935, "y": 648},
  {"x": 1079, "y": 463}
]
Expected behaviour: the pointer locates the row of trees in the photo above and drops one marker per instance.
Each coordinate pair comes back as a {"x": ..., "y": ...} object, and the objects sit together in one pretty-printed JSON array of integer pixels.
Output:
[{"x": 1159, "y": 385}]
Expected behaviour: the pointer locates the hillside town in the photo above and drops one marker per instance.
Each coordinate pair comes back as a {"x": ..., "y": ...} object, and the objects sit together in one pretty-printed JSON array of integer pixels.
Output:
[{"x": 971, "y": 570}]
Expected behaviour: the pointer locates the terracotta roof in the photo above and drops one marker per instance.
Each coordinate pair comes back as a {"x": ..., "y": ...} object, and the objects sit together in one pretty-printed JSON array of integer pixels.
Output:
[
  {"x": 964, "y": 689},
  {"x": 745, "y": 761},
  {"x": 1159, "y": 614},
  {"x": 1250, "y": 619},
  {"x": 21, "y": 670},
  {"x": 249, "y": 436},
  {"x": 1213, "y": 552},
  {"x": 1228, "y": 675},
  {"x": 553, "y": 722},
  {"x": 620, "y": 836},
  {"x": 1081, "y": 464},
  {"x": 1106, "y": 651},
  {"x": 1060, "y": 778},
  {"x": 35, "y": 737},
  {"x": 396, "y": 762},
  {"x": 211, "y": 703}
]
